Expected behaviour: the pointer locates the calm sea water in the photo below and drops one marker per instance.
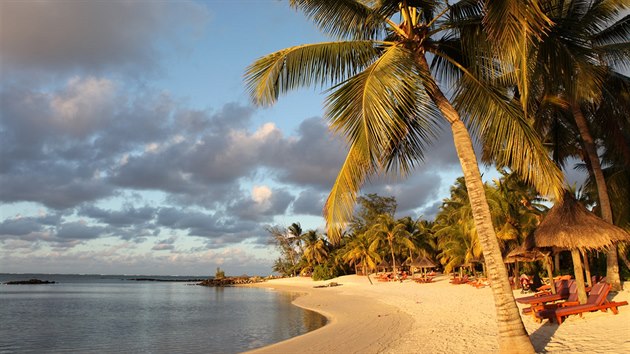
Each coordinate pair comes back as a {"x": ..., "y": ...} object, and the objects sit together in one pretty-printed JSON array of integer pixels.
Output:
[{"x": 109, "y": 314}]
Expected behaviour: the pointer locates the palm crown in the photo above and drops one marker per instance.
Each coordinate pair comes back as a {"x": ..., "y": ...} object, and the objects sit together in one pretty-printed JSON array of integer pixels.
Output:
[{"x": 383, "y": 75}]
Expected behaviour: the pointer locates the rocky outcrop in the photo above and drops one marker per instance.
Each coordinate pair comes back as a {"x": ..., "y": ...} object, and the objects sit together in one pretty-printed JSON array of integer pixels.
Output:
[
  {"x": 29, "y": 282},
  {"x": 230, "y": 281}
]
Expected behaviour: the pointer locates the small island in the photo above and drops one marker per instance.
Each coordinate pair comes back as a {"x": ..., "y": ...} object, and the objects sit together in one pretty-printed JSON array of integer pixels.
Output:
[
  {"x": 29, "y": 282},
  {"x": 221, "y": 280}
]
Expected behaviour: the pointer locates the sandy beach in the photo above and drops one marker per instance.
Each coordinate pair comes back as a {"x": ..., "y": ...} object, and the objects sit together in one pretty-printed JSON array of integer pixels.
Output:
[{"x": 394, "y": 317}]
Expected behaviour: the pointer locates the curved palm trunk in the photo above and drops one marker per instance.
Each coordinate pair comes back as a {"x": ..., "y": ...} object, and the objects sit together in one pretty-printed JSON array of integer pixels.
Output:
[
  {"x": 367, "y": 271},
  {"x": 391, "y": 247},
  {"x": 612, "y": 261},
  {"x": 513, "y": 337}
]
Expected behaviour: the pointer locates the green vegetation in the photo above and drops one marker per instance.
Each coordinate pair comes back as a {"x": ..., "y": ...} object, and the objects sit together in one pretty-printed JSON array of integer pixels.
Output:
[{"x": 220, "y": 274}]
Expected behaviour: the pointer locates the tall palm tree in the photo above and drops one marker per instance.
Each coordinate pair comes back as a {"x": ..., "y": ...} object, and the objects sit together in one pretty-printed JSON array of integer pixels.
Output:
[
  {"x": 358, "y": 251},
  {"x": 391, "y": 232},
  {"x": 587, "y": 37},
  {"x": 516, "y": 209},
  {"x": 315, "y": 248},
  {"x": 387, "y": 102},
  {"x": 421, "y": 236},
  {"x": 455, "y": 230}
]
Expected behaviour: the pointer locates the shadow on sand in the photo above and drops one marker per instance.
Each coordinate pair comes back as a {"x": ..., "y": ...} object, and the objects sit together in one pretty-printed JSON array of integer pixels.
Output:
[{"x": 542, "y": 336}]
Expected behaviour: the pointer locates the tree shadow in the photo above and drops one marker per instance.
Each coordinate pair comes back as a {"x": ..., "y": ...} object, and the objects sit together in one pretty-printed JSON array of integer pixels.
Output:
[{"x": 542, "y": 336}]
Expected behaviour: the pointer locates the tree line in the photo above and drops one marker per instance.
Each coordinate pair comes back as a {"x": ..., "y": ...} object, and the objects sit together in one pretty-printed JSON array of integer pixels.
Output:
[{"x": 450, "y": 240}]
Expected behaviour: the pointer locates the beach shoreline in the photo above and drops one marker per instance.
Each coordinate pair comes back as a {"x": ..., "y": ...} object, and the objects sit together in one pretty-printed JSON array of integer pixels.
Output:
[{"x": 438, "y": 317}]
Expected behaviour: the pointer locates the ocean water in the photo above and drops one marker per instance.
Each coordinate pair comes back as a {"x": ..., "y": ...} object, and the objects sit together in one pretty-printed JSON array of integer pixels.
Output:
[{"x": 111, "y": 314}]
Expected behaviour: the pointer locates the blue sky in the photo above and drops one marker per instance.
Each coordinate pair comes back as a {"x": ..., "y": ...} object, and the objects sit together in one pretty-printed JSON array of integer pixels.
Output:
[{"x": 129, "y": 145}]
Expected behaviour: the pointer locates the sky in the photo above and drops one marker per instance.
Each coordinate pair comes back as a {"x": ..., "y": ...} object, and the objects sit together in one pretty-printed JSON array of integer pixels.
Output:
[{"x": 129, "y": 145}]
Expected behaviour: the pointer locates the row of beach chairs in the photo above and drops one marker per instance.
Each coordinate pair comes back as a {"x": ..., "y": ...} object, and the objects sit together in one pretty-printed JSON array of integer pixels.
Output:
[
  {"x": 476, "y": 282},
  {"x": 565, "y": 302}
]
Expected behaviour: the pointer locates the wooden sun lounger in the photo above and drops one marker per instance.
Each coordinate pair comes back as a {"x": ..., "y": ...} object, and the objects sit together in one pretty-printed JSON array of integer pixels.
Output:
[
  {"x": 562, "y": 293},
  {"x": 597, "y": 300},
  {"x": 458, "y": 281},
  {"x": 423, "y": 280},
  {"x": 549, "y": 305}
]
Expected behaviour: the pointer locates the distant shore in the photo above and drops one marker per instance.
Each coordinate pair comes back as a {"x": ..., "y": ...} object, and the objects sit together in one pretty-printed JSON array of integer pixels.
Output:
[{"x": 394, "y": 317}]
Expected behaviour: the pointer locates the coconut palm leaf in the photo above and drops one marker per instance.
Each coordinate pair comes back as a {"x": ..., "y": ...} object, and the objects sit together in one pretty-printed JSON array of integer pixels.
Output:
[
  {"x": 508, "y": 136},
  {"x": 317, "y": 64},
  {"x": 343, "y": 18},
  {"x": 388, "y": 121}
]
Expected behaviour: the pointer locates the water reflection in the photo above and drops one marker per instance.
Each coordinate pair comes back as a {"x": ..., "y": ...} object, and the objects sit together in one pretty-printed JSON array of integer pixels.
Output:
[{"x": 155, "y": 317}]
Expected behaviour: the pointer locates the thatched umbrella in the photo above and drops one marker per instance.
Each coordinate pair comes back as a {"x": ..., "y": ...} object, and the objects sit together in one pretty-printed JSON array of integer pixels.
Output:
[
  {"x": 569, "y": 225},
  {"x": 528, "y": 253},
  {"x": 422, "y": 262},
  {"x": 384, "y": 264},
  {"x": 521, "y": 254}
]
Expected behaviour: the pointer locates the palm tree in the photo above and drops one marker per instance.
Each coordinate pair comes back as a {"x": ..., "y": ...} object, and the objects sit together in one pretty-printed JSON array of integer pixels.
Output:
[
  {"x": 358, "y": 251},
  {"x": 420, "y": 234},
  {"x": 315, "y": 248},
  {"x": 387, "y": 102},
  {"x": 391, "y": 232},
  {"x": 455, "y": 230},
  {"x": 516, "y": 209},
  {"x": 587, "y": 37}
]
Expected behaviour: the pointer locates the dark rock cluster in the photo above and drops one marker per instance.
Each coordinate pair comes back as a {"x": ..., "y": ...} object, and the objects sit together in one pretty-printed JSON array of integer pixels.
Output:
[
  {"x": 29, "y": 282},
  {"x": 230, "y": 281}
]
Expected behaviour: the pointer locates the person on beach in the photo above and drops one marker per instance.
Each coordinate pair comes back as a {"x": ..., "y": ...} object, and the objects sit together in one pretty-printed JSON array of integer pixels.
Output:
[
  {"x": 525, "y": 283},
  {"x": 536, "y": 282}
]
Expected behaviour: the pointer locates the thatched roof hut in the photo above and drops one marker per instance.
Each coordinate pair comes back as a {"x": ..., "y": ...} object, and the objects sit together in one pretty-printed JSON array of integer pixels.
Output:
[
  {"x": 422, "y": 262},
  {"x": 522, "y": 254},
  {"x": 569, "y": 225},
  {"x": 384, "y": 266}
]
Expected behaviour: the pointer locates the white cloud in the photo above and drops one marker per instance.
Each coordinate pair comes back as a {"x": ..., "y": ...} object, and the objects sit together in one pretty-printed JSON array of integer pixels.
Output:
[{"x": 261, "y": 194}]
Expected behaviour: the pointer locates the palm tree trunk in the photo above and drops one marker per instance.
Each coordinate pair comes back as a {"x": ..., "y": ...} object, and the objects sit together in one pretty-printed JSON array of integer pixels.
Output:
[
  {"x": 623, "y": 257},
  {"x": 547, "y": 261},
  {"x": 391, "y": 247},
  {"x": 367, "y": 272},
  {"x": 513, "y": 337},
  {"x": 579, "y": 275},
  {"x": 612, "y": 261}
]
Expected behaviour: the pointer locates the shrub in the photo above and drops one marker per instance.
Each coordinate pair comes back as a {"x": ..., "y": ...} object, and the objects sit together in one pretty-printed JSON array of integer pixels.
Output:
[{"x": 323, "y": 272}]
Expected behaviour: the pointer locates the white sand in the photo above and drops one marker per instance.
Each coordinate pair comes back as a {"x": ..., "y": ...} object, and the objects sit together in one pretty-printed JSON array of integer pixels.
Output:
[{"x": 438, "y": 317}]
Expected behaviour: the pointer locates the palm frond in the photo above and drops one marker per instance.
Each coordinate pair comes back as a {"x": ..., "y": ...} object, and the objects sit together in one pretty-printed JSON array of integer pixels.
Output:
[
  {"x": 613, "y": 44},
  {"x": 343, "y": 18},
  {"x": 387, "y": 121},
  {"x": 343, "y": 194},
  {"x": 377, "y": 102},
  {"x": 507, "y": 135},
  {"x": 305, "y": 65},
  {"x": 511, "y": 26},
  {"x": 602, "y": 13}
]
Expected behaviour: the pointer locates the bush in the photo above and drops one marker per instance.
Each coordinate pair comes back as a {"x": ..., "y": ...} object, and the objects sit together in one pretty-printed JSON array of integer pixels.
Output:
[
  {"x": 219, "y": 274},
  {"x": 323, "y": 272}
]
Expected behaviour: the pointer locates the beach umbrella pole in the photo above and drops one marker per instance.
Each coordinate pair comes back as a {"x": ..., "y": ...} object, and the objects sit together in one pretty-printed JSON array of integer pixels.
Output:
[
  {"x": 587, "y": 268},
  {"x": 547, "y": 261},
  {"x": 579, "y": 275}
]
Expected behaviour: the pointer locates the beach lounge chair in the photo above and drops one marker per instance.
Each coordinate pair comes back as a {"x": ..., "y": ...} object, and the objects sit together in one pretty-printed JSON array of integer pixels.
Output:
[
  {"x": 422, "y": 280},
  {"x": 537, "y": 306},
  {"x": 597, "y": 300},
  {"x": 458, "y": 281},
  {"x": 562, "y": 293}
]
